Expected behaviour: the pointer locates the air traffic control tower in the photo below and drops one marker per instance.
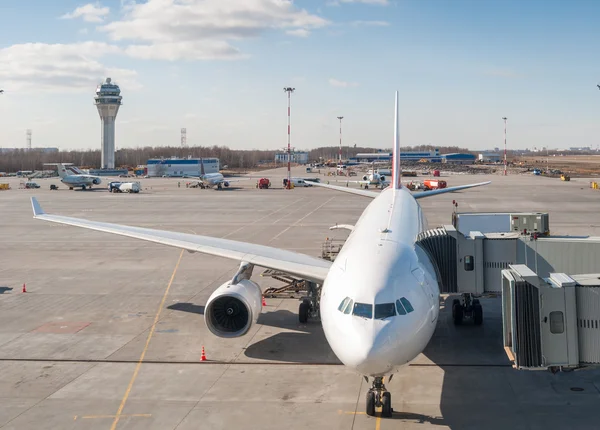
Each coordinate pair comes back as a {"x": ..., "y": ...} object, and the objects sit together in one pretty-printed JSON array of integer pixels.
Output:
[{"x": 107, "y": 100}]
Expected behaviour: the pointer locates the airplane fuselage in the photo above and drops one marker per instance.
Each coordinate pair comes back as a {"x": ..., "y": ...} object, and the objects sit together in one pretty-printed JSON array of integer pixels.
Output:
[
  {"x": 80, "y": 180},
  {"x": 380, "y": 264}
]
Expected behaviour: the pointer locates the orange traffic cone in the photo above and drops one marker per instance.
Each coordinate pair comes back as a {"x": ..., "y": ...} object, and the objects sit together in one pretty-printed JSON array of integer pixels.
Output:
[
  {"x": 24, "y": 289},
  {"x": 264, "y": 303},
  {"x": 203, "y": 357}
]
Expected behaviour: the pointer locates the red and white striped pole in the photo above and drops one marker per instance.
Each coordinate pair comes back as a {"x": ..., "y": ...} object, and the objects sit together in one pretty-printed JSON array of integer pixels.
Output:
[
  {"x": 340, "y": 152},
  {"x": 504, "y": 118},
  {"x": 289, "y": 91}
]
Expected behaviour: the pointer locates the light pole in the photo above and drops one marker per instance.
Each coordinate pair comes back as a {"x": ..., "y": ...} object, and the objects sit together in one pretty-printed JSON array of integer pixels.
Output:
[
  {"x": 289, "y": 91},
  {"x": 504, "y": 118},
  {"x": 340, "y": 154}
]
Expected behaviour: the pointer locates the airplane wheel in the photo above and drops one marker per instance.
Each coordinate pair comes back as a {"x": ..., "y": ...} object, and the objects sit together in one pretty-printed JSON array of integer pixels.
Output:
[
  {"x": 457, "y": 311},
  {"x": 478, "y": 314},
  {"x": 386, "y": 405},
  {"x": 303, "y": 312},
  {"x": 371, "y": 404}
]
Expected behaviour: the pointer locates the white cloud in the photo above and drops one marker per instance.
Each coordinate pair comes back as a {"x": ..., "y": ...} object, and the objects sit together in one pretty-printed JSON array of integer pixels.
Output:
[
  {"x": 60, "y": 67},
  {"x": 90, "y": 13},
  {"x": 344, "y": 84},
  {"x": 300, "y": 32},
  {"x": 204, "y": 29},
  {"x": 370, "y": 23}
]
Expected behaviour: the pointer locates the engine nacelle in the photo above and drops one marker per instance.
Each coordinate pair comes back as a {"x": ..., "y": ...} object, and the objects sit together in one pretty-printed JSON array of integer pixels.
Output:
[
  {"x": 232, "y": 309},
  {"x": 382, "y": 178},
  {"x": 96, "y": 181},
  {"x": 365, "y": 178},
  {"x": 226, "y": 183}
]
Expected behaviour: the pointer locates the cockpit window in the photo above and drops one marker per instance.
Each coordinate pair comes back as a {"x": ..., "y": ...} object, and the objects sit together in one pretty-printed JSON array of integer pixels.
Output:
[
  {"x": 346, "y": 305},
  {"x": 364, "y": 310},
  {"x": 407, "y": 305},
  {"x": 384, "y": 310},
  {"x": 400, "y": 308}
]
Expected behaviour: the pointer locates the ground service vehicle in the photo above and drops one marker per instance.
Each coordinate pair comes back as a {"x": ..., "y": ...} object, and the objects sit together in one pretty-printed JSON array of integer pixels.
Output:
[
  {"x": 434, "y": 184},
  {"x": 263, "y": 183}
]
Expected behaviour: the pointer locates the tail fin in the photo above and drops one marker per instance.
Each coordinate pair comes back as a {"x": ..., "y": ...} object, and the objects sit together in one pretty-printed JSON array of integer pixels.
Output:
[
  {"x": 201, "y": 167},
  {"x": 396, "y": 173},
  {"x": 62, "y": 170}
]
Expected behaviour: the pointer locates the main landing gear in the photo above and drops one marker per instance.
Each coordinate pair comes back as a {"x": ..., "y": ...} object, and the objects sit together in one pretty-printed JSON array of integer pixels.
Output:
[
  {"x": 467, "y": 307},
  {"x": 309, "y": 308},
  {"x": 379, "y": 397}
]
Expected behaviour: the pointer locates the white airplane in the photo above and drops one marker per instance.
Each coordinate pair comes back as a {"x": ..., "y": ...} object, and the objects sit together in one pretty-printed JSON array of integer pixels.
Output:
[
  {"x": 73, "y": 177},
  {"x": 378, "y": 301},
  {"x": 212, "y": 179}
]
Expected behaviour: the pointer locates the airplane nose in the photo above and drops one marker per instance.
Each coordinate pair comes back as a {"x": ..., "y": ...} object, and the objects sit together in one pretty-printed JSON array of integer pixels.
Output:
[{"x": 371, "y": 354}]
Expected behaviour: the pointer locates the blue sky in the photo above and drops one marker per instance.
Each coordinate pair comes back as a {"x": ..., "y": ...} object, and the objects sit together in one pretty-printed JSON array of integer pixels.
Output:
[{"x": 218, "y": 68}]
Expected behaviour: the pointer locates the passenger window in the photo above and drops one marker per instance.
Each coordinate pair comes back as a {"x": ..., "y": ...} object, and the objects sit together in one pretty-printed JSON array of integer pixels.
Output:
[
  {"x": 400, "y": 308},
  {"x": 407, "y": 305},
  {"x": 557, "y": 323},
  {"x": 364, "y": 310},
  {"x": 384, "y": 310}
]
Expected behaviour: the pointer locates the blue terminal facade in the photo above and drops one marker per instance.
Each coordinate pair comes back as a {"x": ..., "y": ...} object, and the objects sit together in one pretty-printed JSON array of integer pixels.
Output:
[{"x": 179, "y": 167}]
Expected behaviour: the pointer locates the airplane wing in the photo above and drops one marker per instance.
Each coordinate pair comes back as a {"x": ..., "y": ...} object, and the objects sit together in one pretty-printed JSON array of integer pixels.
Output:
[
  {"x": 419, "y": 195},
  {"x": 304, "y": 266},
  {"x": 447, "y": 190},
  {"x": 363, "y": 193}
]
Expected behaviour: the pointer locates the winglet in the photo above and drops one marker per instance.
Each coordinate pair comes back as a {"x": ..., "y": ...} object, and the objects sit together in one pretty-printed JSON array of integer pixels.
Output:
[{"x": 37, "y": 209}]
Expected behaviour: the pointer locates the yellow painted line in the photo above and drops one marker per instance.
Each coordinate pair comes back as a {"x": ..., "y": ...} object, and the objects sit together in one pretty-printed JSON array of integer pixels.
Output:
[
  {"x": 378, "y": 422},
  {"x": 139, "y": 364},
  {"x": 113, "y": 416}
]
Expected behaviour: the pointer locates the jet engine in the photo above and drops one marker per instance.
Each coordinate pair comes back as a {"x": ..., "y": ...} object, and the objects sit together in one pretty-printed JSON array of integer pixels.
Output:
[
  {"x": 365, "y": 178},
  {"x": 233, "y": 308},
  {"x": 96, "y": 181},
  {"x": 226, "y": 183}
]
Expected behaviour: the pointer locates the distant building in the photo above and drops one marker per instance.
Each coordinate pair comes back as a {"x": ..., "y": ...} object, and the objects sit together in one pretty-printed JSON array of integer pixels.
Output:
[
  {"x": 458, "y": 158},
  {"x": 297, "y": 157},
  {"x": 490, "y": 157},
  {"x": 106, "y": 172},
  {"x": 369, "y": 157},
  {"x": 181, "y": 166}
]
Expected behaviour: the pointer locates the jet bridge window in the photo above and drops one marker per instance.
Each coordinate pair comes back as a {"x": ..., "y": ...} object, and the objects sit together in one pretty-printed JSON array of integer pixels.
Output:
[
  {"x": 384, "y": 310},
  {"x": 364, "y": 310},
  {"x": 346, "y": 305}
]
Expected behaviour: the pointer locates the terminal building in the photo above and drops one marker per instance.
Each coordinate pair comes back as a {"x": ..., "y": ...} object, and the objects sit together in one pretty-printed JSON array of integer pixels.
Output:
[
  {"x": 180, "y": 167},
  {"x": 370, "y": 157},
  {"x": 489, "y": 157},
  {"x": 297, "y": 157}
]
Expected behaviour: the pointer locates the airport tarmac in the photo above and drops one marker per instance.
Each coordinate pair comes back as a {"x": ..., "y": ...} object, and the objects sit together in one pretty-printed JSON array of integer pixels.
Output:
[{"x": 110, "y": 332}]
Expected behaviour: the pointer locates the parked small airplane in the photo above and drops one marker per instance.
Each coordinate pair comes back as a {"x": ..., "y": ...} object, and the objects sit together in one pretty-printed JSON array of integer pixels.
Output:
[
  {"x": 212, "y": 179},
  {"x": 378, "y": 300},
  {"x": 73, "y": 177}
]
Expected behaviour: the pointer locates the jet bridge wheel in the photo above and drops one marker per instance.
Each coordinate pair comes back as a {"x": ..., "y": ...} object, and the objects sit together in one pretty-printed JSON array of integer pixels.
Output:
[
  {"x": 477, "y": 313},
  {"x": 457, "y": 313}
]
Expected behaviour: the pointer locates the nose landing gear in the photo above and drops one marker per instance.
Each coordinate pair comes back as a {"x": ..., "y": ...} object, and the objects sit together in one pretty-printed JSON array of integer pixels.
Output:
[{"x": 379, "y": 397}]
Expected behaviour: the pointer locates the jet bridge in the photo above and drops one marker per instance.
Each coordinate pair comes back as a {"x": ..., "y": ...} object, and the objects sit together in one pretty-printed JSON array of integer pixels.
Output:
[
  {"x": 472, "y": 261},
  {"x": 550, "y": 322}
]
